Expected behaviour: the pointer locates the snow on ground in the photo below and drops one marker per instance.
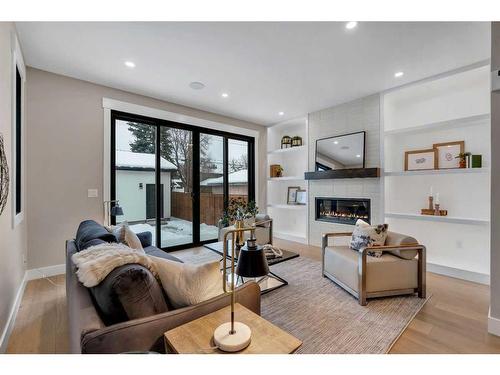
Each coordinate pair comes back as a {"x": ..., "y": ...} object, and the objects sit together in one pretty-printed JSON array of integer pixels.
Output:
[{"x": 177, "y": 232}]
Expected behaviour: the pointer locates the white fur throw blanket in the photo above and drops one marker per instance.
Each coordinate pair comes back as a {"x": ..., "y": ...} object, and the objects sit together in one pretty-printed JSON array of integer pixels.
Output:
[{"x": 96, "y": 262}]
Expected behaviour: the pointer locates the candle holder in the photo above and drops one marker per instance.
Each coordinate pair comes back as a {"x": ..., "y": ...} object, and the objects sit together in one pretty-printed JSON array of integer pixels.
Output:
[
  {"x": 431, "y": 202},
  {"x": 436, "y": 210}
]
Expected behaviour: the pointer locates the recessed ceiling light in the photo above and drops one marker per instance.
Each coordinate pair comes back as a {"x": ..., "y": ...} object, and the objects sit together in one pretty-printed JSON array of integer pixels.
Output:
[
  {"x": 351, "y": 25},
  {"x": 225, "y": 95},
  {"x": 281, "y": 113},
  {"x": 129, "y": 64},
  {"x": 197, "y": 85},
  {"x": 358, "y": 156},
  {"x": 335, "y": 142},
  {"x": 398, "y": 74}
]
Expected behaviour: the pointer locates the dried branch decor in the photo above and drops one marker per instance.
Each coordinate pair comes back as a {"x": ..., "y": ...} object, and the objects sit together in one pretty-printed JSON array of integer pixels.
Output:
[{"x": 4, "y": 176}]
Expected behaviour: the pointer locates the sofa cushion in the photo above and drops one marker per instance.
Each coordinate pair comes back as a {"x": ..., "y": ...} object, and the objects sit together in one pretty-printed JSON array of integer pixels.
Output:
[
  {"x": 128, "y": 292},
  {"x": 189, "y": 284},
  {"x": 94, "y": 242},
  {"x": 90, "y": 230},
  {"x": 125, "y": 235},
  {"x": 365, "y": 235},
  {"x": 146, "y": 239}
]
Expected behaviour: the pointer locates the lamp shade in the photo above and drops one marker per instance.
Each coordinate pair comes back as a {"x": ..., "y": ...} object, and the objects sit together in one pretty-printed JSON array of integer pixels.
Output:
[
  {"x": 116, "y": 210},
  {"x": 252, "y": 261}
]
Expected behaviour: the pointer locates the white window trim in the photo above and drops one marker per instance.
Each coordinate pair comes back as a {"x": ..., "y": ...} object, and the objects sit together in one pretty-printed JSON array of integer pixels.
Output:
[
  {"x": 18, "y": 61},
  {"x": 116, "y": 105}
]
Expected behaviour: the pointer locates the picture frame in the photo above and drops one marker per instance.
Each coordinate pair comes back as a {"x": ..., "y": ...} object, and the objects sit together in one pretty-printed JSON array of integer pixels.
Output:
[
  {"x": 447, "y": 153},
  {"x": 301, "y": 197},
  {"x": 292, "y": 194},
  {"x": 418, "y": 160}
]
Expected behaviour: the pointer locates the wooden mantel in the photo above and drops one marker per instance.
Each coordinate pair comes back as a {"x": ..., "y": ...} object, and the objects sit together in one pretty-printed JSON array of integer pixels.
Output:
[{"x": 343, "y": 173}]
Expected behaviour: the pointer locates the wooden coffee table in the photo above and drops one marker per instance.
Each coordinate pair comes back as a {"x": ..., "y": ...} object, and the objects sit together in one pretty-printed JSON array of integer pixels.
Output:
[{"x": 196, "y": 337}]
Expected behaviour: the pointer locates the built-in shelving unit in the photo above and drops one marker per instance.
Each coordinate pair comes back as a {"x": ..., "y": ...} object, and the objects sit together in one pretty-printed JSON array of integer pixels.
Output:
[
  {"x": 452, "y": 107},
  {"x": 438, "y": 172},
  {"x": 290, "y": 221},
  {"x": 442, "y": 219}
]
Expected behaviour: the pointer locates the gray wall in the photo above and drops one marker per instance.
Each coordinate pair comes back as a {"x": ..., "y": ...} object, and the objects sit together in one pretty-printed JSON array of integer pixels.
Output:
[
  {"x": 12, "y": 241},
  {"x": 495, "y": 179},
  {"x": 65, "y": 157},
  {"x": 358, "y": 115}
]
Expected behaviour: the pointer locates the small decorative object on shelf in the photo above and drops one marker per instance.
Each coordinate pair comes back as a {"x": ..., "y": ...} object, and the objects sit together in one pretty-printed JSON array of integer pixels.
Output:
[
  {"x": 291, "y": 197},
  {"x": 276, "y": 170},
  {"x": 286, "y": 142},
  {"x": 476, "y": 161},
  {"x": 420, "y": 159},
  {"x": 431, "y": 200},
  {"x": 448, "y": 154},
  {"x": 296, "y": 141},
  {"x": 433, "y": 209},
  {"x": 463, "y": 158}
]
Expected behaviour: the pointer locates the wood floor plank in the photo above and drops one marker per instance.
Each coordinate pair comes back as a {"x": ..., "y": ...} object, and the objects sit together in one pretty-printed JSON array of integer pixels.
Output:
[{"x": 454, "y": 320}]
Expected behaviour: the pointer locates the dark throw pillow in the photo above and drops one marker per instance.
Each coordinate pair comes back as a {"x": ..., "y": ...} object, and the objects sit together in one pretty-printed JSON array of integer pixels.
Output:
[
  {"x": 128, "y": 292},
  {"x": 90, "y": 230}
]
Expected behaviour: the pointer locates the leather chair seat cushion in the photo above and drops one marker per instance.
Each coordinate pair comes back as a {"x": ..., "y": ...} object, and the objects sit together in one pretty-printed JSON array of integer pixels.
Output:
[
  {"x": 128, "y": 292},
  {"x": 90, "y": 230},
  {"x": 387, "y": 272}
]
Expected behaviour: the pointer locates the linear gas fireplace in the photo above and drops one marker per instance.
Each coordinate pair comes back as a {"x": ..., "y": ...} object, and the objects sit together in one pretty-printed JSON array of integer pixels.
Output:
[{"x": 342, "y": 210}]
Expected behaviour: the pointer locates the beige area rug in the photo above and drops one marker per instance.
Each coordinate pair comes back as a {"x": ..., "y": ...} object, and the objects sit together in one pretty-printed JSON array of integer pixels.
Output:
[{"x": 325, "y": 317}]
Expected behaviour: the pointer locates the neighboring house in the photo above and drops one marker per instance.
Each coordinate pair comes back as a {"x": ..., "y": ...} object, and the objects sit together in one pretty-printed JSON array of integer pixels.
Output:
[
  {"x": 238, "y": 183},
  {"x": 135, "y": 185}
]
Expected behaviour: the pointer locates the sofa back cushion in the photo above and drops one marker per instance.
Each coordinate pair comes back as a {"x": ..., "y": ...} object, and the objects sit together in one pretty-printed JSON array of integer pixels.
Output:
[
  {"x": 128, "y": 292},
  {"x": 90, "y": 230}
]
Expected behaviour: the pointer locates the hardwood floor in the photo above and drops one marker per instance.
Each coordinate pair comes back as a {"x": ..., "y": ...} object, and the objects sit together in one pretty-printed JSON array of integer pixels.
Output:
[{"x": 454, "y": 320}]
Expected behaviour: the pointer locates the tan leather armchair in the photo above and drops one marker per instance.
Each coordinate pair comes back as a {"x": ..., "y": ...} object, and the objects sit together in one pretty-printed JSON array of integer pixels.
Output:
[{"x": 400, "y": 269}]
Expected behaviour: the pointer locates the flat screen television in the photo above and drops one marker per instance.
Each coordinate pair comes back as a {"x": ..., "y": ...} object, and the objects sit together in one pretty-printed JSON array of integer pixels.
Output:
[{"x": 341, "y": 152}]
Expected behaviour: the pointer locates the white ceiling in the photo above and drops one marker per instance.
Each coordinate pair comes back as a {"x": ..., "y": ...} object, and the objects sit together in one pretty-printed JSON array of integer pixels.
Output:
[{"x": 266, "y": 68}]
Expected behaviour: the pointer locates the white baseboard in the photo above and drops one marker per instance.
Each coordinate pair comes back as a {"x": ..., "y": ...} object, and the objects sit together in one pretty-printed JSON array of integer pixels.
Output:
[
  {"x": 493, "y": 324},
  {"x": 4, "y": 338},
  {"x": 40, "y": 273},
  {"x": 35, "y": 273},
  {"x": 476, "y": 277}
]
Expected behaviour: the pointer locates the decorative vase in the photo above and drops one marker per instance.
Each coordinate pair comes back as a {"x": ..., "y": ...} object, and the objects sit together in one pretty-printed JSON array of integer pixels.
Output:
[
  {"x": 463, "y": 163},
  {"x": 239, "y": 224}
]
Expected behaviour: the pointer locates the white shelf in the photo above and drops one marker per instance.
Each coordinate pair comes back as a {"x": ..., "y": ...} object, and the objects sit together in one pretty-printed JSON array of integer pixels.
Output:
[
  {"x": 288, "y": 206},
  {"x": 287, "y": 150},
  {"x": 443, "y": 219},
  {"x": 286, "y": 178},
  {"x": 455, "y": 123},
  {"x": 439, "y": 172}
]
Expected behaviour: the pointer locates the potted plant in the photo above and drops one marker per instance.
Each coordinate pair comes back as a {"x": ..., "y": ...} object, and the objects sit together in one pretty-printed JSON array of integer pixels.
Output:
[{"x": 463, "y": 159}]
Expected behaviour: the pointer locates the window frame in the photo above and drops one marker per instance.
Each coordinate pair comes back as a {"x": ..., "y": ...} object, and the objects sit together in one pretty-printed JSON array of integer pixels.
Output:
[{"x": 18, "y": 66}]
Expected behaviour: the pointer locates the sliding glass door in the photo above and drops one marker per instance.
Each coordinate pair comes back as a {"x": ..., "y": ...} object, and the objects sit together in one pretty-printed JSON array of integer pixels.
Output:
[{"x": 174, "y": 180}]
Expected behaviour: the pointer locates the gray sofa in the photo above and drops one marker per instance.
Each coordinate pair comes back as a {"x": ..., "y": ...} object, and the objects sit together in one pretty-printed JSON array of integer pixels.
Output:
[{"x": 91, "y": 332}]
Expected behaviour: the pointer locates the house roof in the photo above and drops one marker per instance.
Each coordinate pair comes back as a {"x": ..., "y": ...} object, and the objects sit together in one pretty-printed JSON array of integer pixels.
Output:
[
  {"x": 235, "y": 178},
  {"x": 137, "y": 161}
]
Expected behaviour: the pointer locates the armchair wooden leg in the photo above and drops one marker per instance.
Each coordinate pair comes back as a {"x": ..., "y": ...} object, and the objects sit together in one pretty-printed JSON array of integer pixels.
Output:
[
  {"x": 421, "y": 272},
  {"x": 362, "y": 278}
]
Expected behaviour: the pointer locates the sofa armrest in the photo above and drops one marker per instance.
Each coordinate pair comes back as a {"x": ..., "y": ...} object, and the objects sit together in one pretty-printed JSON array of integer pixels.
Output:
[{"x": 146, "y": 334}]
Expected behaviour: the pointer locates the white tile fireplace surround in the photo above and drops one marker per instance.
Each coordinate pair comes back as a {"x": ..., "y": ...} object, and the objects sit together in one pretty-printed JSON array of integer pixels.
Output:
[{"x": 359, "y": 115}]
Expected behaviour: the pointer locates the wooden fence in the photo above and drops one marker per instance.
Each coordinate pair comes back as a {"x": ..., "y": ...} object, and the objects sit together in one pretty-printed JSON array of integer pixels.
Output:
[{"x": 211, "y": 206}]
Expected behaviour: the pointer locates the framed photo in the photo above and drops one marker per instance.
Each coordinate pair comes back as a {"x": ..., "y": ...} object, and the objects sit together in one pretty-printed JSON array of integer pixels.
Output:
[
  {"x": 301, "y": 197},
  {"x": 447, "y": 154},
  {"x": 292, "y": 194},
  {"x": 421, "y": 159}
]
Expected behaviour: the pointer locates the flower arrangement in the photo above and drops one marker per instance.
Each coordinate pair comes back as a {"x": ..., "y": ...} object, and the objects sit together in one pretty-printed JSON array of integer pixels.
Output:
[{"x": 238, "y": 209}]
